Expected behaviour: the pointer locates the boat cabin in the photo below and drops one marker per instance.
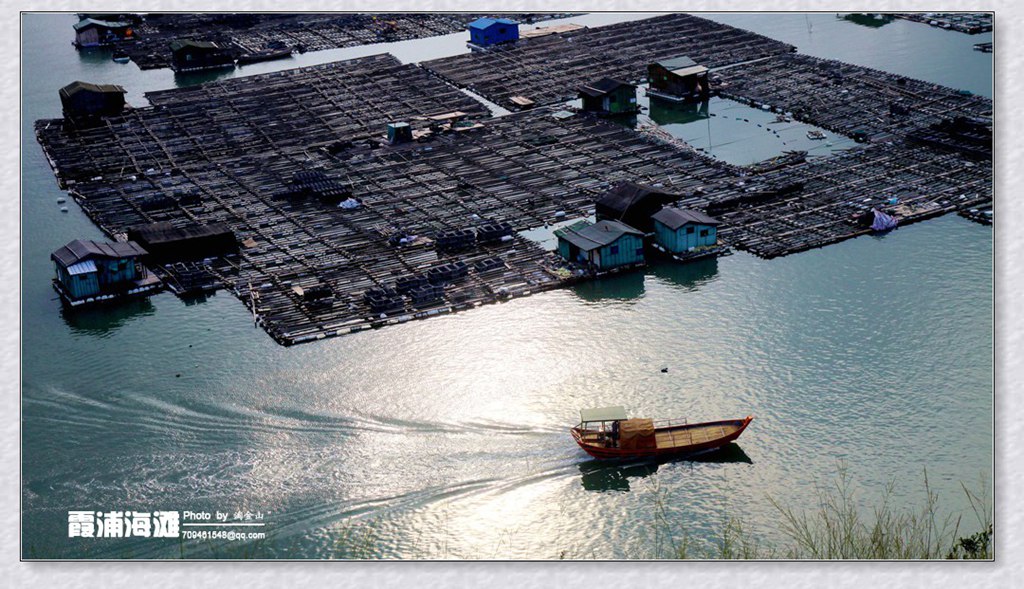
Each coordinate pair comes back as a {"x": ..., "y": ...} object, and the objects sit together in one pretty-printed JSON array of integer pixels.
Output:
[
  {"x": 612, "y": 427},
  {"x": 680, "y": 79}
]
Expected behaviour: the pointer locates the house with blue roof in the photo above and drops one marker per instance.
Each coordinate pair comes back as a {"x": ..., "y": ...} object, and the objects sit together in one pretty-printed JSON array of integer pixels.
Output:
[{"x": 485, "y": 32}]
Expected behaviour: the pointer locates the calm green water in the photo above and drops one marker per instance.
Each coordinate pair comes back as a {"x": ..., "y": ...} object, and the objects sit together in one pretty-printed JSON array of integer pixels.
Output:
[{"x": 448, "y": 437}]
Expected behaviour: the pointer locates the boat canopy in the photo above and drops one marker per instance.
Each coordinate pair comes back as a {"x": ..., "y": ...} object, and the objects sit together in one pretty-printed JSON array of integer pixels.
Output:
[{"x": 616, "y": 413}]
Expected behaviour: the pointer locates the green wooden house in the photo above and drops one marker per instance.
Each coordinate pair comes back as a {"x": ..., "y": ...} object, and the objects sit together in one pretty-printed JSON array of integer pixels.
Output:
[
  {"x": 609, "y": 97},
  {"x": 604, "y": 245},
  {"x": 681, "y": 230}
]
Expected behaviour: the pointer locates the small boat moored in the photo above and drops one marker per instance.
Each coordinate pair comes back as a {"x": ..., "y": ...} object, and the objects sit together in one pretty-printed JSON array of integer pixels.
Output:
[
  {"x": 608, "y": 433},
  {"x": 120, "y": 56}
]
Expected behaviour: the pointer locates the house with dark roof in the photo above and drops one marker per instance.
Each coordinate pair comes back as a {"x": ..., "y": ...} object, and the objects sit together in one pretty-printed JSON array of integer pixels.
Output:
[
  {"x": 485, "y": 32},
  {"x": 84, "y": 103},
  {"x": 633, "y": 204},
  {"x": 190, "y": 56},
  {"x": 165, "y": 242},
  {"x": 609, "y": 96},
  {"x": 92, "y": 32},
  {"x": 91, "y": 271},
  {"x": 679, "y": 79},
  {"x": 682, "y": 230},
  {"x": 603, "y": 246}
]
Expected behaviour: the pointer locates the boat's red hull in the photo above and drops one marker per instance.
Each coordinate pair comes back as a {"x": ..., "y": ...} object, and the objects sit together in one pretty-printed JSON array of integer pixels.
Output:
[{"x": 610, "y": 453}]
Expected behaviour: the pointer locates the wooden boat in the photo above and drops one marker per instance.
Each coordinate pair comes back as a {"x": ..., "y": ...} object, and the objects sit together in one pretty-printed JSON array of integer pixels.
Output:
[
  {"x": 120, "y": 56},
  {"x": 607, "y": 433},
  {"x": 264, "y": 55}
]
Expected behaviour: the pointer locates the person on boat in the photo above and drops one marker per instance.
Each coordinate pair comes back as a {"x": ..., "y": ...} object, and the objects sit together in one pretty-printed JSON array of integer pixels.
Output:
[{"x": 615, "y": 434}]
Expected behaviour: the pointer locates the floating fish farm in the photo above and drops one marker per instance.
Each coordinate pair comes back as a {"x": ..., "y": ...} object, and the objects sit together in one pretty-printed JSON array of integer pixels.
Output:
[{"x": 341, "y": 230}]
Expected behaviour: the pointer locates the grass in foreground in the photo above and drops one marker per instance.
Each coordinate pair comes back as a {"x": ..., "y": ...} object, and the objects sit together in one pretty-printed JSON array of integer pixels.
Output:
[{"x": 838, "y": 529}]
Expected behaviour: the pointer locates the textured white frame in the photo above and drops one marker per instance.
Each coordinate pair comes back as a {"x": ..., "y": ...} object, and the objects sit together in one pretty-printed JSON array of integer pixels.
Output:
[{"x": 1009, "y": 365}]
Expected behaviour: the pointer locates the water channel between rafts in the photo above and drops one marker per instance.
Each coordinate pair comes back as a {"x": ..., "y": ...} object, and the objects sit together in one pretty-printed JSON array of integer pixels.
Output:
[{"x": 448, "y": 437}]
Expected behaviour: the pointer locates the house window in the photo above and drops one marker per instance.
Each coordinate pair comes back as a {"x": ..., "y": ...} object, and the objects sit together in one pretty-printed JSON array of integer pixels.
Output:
[
  {"x": 639, "y": 252},
  {"x": 501, "y": 31},
  {"x": 703, "y": 232},
  {"x": 615, "y": 249},
  {"x": 689, "y": 230}
]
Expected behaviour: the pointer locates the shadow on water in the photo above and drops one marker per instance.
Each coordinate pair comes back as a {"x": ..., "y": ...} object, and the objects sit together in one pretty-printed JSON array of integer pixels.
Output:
[
  {"x": 626, "y": 120},
  {"x": 182, "y": 80},
  {"x": 627, "y": 286},
  {"x": 95, "y": 54},
  {"x": 600, "y": 475},
  {"x": 869, "y": 20},
  {"x": 103, "y": 319},
  {"x": 197, "y": 298},
  {"x": 664, "y": 112},
  {"x": 689, "y": 276}
]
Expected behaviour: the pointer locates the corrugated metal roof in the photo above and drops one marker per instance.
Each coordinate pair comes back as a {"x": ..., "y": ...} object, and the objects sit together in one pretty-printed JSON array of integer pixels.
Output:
[
  {"x": 79, "y": 86},
  {"x": 625, "y": 195},
  {"x": 178, "y": 44},
  {"x": 80, "y": 249},
  {"x": 615, "y": 413},
  {"x": 83, "y": 267},
  {"x": 165, "y": 232},
  {"x": 483, "y": 23},
  {"x": 676, "y": 63},
  {"x": 88, "y": 22},
  {"x": 599, "y": 234},
  {"x": 603, "y": 86},
  {"x": 675, "y": 218}
]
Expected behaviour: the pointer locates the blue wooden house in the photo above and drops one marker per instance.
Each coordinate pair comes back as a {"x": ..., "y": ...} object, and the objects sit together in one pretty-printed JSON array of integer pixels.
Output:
[
  {"x": 491, "y": 31},
  {"x": 90, "y": 271},
  {"x": 680, "y": 230},
  {"x": 604, "y": 245}
]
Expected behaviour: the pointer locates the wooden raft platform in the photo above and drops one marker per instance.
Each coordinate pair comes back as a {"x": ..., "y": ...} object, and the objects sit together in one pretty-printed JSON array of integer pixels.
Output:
[
  {"x": 549, "y": 69},
  {"x": 250, "y": 32},
  {"x": 227, "y": 151}
]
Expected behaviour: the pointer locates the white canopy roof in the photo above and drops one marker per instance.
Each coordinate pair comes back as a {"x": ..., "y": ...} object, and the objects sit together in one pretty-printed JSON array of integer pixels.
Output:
[{"x": 615, "y": 413}]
